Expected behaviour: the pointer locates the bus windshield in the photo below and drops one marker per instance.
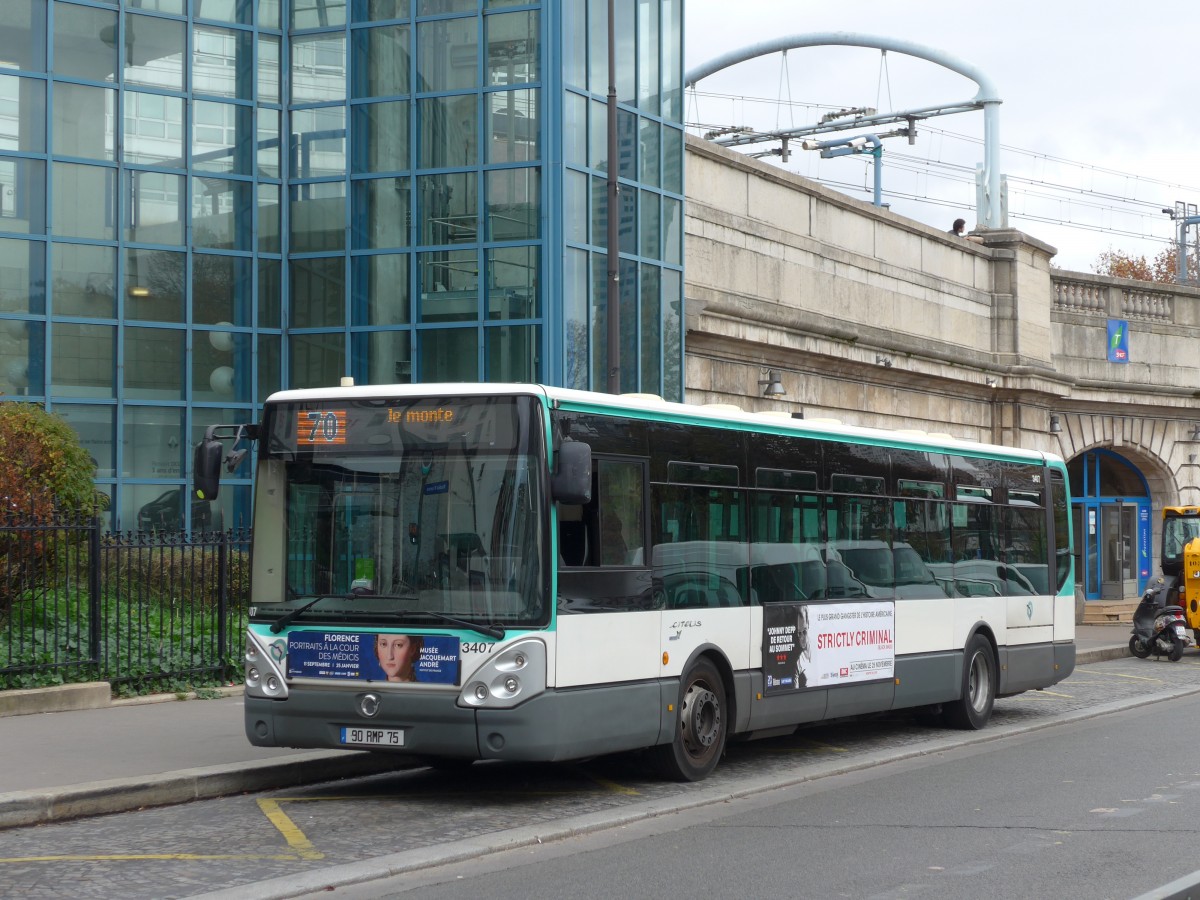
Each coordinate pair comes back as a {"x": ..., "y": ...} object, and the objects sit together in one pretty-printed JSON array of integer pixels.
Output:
[{"x": 406, "y": 511}]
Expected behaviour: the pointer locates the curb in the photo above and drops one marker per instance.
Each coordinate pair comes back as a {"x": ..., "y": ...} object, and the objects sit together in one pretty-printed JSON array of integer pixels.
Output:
[
  {"x": 40, "y": 807},
  {"x": 216, "y": 693},
  {"x": 60, "y": 698},
  {"x": 93, "y": 695},
  {"x": 1100, "y": 654}
]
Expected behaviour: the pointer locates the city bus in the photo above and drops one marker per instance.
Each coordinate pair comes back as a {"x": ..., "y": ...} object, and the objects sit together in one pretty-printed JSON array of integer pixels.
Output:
[{"x": 463, "y": 572}]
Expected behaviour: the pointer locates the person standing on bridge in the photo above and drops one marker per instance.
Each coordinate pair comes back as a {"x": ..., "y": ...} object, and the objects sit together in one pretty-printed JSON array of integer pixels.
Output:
[{"x": 958, "y": 228}]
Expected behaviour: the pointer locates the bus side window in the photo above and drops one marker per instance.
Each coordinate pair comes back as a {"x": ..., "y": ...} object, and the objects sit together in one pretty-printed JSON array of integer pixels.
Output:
[
  {"x": 572, "y": 536},
  {"x": 610, "y": 530},
  {"x": 621, "y": 498}
]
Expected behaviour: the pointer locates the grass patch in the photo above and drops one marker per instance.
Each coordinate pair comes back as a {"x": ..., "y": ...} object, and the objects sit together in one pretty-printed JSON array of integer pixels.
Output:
[{"x": 147, "y": 643}]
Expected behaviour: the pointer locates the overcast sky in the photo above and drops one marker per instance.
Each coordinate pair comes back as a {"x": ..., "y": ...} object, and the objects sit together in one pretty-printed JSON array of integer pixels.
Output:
[{"x": 1098, "y": 123}]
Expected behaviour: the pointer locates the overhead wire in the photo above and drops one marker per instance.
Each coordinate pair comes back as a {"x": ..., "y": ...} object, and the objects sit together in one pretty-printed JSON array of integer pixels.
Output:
[
  {"x": 946, "y": 132},
  {"x": 1022, "y": 186}
]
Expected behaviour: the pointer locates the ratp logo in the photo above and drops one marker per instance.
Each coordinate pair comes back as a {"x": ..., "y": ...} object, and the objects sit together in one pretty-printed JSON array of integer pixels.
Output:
[{"x": 1118, "y": 341}]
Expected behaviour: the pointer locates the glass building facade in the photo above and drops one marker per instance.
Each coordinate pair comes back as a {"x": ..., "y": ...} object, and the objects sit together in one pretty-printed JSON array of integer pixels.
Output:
[{"x": 204, "y": 201}]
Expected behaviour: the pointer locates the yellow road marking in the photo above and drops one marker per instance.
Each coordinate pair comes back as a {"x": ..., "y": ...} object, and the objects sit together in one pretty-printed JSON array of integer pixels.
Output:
[
  {"x": 1029, "y": 694},
  {"x": 133, "y": 857},
  {"x": 433, "y": 795},
  {"x": 293, "y": 835},
  {"x": 613, "y": 786},
  {"x": 1131, "y": 677},
  {"x": 814, "y": 747}
]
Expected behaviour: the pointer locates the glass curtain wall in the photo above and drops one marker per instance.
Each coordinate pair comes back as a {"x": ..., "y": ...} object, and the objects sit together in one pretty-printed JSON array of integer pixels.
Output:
[
  {"x": 438, "y": 277},
  {"x": 140, "y": 253},
  {"x": 203, "y": 201},
  {"x": 649, "y": 166}
]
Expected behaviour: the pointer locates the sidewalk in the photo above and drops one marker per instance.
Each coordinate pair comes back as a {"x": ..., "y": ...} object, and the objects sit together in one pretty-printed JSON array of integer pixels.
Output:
[{"x": 156, "y": 751}]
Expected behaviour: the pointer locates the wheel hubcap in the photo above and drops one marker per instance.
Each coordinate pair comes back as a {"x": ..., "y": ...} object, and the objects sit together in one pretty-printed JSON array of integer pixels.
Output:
[
  {"x": 701, "y": 717},
  {"x": 980, "y": 682}
]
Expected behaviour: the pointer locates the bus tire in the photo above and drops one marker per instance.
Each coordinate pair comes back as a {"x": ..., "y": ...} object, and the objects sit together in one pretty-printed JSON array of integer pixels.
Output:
[
  {"x": 701, "y": 726},
  {"x": 973, "y": 708}
]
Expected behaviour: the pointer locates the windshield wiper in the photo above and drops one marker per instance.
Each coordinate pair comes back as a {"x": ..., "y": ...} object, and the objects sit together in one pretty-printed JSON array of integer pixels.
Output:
[
  {"x": 493, "y": 629},
  {"x": 291, "y": 615}
]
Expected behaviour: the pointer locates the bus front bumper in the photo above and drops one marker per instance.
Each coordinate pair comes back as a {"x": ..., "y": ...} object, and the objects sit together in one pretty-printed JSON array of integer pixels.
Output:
[{"x": 555, "y": 725}]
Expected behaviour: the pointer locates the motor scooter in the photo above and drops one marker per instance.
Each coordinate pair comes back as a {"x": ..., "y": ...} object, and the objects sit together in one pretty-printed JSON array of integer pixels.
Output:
[{"x": 1158, "y": 626}]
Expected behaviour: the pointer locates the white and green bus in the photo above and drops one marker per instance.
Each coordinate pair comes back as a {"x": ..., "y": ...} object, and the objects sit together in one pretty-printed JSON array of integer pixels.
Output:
[{"x": 517, "y": 572}]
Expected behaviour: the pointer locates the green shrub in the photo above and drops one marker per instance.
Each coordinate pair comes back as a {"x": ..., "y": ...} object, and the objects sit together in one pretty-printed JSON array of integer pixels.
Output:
[
  {"x": 144, "y": 646},
  {"x": 45, "y": 473},
  {"x": 171, "y": 578},
  {"x": 44, "y": 470}
]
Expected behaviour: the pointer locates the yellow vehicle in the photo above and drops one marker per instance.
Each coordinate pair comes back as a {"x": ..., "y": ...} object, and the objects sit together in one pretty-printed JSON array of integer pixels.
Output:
[{"x": 1181, "y": 561}]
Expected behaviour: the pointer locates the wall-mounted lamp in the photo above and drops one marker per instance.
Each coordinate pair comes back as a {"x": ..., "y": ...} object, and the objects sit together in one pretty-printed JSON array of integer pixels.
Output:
[
  {"x": 1055, "y": 425},
  {"x": 990, "y": 382},
  {"x": 772, "y": 385},
  {"x": 885, "y": 361},
  {"x": 1195, "y": 435}
]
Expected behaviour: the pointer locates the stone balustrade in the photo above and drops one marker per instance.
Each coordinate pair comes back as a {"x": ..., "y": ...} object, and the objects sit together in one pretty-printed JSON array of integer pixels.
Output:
[
  {"x": 1074, "y": 295},
  {"x": 1145, "y": 304},
  {"x": 1118, "y": 298}
]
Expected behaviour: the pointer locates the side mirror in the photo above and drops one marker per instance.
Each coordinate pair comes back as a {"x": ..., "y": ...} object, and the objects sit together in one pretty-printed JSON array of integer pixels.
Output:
[
  {"x": 572, "y": 481},
  {"x": 206, "y": 469}
]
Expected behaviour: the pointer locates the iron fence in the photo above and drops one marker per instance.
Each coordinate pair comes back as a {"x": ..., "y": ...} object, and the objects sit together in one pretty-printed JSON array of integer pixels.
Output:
[{"x": 144, "y": 611}]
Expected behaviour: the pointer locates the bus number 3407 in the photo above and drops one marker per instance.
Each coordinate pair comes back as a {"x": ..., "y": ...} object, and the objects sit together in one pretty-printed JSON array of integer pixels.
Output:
[{"x": 478, "y": 647}]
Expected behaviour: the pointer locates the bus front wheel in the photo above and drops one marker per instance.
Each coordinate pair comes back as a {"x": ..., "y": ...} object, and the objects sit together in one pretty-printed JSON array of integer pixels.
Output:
[
  {"x": 700, "y": 728},
  {"x": 973, "y": 708}
]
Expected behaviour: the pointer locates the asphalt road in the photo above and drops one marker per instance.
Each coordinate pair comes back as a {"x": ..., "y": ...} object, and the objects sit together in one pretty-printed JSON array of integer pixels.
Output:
[
  {"x": 1101, "y": 809},
  {"x": 287, "y": 843}
]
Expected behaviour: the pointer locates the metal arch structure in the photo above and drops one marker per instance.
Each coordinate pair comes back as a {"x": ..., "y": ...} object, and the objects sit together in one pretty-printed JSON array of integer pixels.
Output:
[{"x": 986, "y": 99}]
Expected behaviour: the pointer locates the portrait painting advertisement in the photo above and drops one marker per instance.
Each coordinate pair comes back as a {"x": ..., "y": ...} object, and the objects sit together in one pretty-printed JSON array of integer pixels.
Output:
[
  {"x": 366, "y": 656},
  {"x": 808, "y": 645}
]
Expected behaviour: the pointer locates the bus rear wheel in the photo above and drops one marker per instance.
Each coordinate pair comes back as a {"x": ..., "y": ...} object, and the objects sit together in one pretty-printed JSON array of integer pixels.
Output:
[
  {"x": 700, "y": 728},
  {"x": 973, "y": 708}
]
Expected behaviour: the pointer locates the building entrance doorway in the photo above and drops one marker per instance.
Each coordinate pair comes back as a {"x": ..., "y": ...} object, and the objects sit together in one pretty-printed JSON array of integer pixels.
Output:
[
  {"x": 1118, "y": 536},
  {"x": 1112, "y": 525}
]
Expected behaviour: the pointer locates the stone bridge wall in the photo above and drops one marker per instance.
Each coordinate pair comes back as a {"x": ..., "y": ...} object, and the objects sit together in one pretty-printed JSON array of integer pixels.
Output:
[{"x": 876, "y": 319}]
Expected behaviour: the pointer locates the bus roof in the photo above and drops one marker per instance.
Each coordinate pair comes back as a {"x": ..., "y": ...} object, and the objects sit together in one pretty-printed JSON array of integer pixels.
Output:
[{"x": 648, "y": 406}]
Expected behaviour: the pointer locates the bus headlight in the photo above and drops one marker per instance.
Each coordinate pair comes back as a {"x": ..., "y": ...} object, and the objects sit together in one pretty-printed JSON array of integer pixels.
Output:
[
  {"x": 264, "y": 677},
  {"x": 512, "y": 676}
]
